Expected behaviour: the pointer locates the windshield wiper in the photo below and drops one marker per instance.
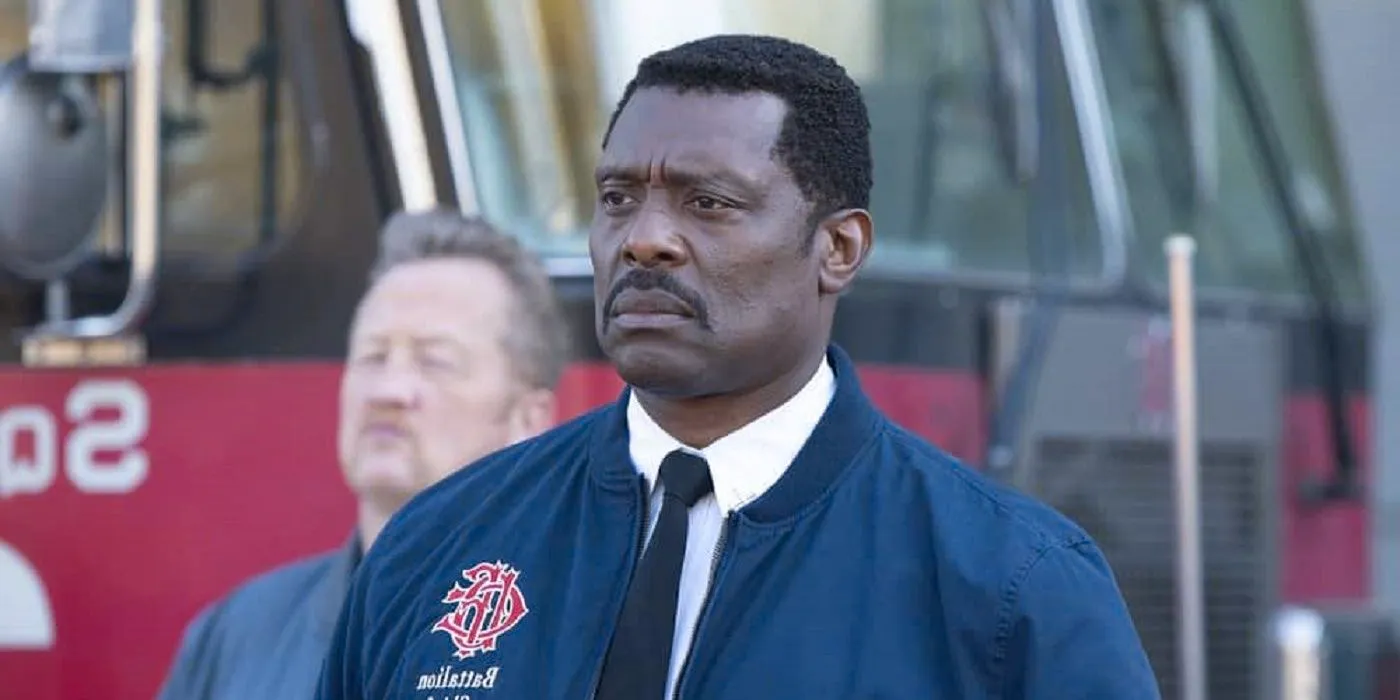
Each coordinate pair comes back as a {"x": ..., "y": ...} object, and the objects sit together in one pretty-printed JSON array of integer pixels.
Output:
[
  {"x": 1311, "y": 259},
  {"x": 1036, "y": 154}
]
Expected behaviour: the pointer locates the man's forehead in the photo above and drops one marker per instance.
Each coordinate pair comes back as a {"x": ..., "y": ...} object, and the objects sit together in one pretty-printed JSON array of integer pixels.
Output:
[
  {"x": 694, "y": 132},
  {"x": 425, "y": 330},
  {"x": 657, "y": 115},
  {"x": 440, "y": 297}
]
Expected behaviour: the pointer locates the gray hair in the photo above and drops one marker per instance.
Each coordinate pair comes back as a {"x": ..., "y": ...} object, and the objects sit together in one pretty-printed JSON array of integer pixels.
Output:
[{"x": 538, "y": 343}]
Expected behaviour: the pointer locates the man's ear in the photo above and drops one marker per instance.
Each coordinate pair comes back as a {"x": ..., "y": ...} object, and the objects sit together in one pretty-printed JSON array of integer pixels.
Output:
[
  {"x": 844, "y": 240},
  {"x": 532, "y": 414}
]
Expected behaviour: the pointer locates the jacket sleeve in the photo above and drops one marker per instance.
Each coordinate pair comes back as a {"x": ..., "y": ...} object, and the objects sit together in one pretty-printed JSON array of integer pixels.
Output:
[
  {"x": 342, "y": 672},
  {"x": 1069, "y": 634},
  {"x": 192, "y": 674}
]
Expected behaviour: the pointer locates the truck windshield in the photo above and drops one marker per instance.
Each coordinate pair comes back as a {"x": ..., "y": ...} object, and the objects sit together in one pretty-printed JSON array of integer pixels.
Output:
[
  {"x": 1214, "y": 185},
  {"x": 536, "y": 81}
]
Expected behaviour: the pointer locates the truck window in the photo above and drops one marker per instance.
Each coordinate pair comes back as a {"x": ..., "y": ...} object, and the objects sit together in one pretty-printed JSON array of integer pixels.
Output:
[
  {"x": 536, "y": 82},
  {"x": 233, "y": 159},
  {"x": 1243, "y": 242}
]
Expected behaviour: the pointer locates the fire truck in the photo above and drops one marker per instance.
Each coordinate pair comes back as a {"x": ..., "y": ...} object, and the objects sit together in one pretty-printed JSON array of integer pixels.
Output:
[{"x": 192, "y": 188}]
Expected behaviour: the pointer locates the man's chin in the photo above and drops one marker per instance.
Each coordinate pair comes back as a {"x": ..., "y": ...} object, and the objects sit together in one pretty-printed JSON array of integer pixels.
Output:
[
  {"x": 386, "y": 485},
  {"x": 658, "y": 368}
]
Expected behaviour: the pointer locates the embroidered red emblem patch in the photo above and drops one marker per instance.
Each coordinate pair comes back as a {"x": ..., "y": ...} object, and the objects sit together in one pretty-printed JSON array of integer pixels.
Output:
[{"x": 486, "y": 608}]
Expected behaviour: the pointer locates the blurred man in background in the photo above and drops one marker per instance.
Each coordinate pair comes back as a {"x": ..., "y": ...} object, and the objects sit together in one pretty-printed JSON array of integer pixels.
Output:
[{"x": 454, "y": 352}]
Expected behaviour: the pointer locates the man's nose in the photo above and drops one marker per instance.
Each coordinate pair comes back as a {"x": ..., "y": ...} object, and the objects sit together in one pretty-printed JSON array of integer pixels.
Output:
[
  {"x": 395, "y": 386},
  {"x": 654, "y": 240}
]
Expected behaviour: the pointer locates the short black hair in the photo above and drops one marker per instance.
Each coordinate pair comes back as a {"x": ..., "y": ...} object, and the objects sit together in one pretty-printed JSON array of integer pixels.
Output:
[{"x": 825, "y": 137}]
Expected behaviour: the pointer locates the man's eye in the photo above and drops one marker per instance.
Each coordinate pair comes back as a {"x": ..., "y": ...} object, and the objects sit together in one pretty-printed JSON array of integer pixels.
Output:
[
  {"x": 438, "y": 363},
  {"x": 613, "y": 198},
  {"x": 709, "y": 203},
  {"x": 369, "y": 357}
]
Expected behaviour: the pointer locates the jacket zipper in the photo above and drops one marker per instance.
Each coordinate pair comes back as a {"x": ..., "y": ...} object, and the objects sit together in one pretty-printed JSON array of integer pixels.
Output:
[
  {"x": 642, "y": 512},
  {"x": 715, "y": 560}
]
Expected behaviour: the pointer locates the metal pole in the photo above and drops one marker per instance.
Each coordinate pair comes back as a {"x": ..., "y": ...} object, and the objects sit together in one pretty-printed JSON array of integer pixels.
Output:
[
  {"x": 1190, "y": 583},
  {"x": 1300, "y": 639}
]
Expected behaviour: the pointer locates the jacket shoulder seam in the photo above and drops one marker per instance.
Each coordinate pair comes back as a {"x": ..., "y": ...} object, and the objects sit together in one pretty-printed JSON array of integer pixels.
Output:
[
  {"x": 1010, "y": 597},
  {"x": 957, "y": 470}
]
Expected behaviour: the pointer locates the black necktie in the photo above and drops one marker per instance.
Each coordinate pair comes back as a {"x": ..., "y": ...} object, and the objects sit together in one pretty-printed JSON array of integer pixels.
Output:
[{"x": 640, "y": 656}]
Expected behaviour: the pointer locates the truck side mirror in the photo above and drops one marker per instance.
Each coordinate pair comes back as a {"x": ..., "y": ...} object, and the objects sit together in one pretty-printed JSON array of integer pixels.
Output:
[
  {"x": 54, "y": 169},
  {"x": 73, "y": 44}
]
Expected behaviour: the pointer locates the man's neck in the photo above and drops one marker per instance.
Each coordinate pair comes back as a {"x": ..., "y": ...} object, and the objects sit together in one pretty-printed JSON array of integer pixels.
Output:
[
  {"x": 697, "y": 422},
  {"x": 370, "y": 521}
]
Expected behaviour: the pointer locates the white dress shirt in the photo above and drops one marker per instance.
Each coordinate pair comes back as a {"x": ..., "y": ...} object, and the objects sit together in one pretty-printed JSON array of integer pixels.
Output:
[{"x": 743, "y": 465}]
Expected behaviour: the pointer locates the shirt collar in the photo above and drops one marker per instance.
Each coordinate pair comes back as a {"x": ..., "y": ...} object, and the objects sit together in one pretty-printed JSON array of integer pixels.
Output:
[{"x": 747, "y": 462}]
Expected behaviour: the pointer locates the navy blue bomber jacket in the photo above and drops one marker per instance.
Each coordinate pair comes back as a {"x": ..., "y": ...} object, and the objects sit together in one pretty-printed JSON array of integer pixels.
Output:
[{"x": 876, "y": 567}]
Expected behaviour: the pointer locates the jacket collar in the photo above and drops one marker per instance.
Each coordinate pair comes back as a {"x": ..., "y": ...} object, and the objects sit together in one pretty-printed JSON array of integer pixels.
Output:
[
  {"x": 850, "y": 421},
  {"x": 747, "y": 462},
  {"x": 329, "y": 593}
]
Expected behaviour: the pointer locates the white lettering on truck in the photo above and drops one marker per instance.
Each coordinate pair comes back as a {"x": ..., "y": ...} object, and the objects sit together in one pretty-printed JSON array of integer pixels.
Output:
[
  {"x": 88, "y": 435},
  {"x": 26, "y": 619}
]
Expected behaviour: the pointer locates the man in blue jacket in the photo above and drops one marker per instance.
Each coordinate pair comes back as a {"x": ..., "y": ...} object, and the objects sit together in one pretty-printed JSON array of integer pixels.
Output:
[
  {"x": 454, "y": 352},
  {"x": 741, "y": 522}
]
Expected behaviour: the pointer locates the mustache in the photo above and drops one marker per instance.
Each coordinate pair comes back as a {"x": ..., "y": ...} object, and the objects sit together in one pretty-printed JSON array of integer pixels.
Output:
[
  {"x": 385, "y": 422},
  {"x": 647, "y": 279}
]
